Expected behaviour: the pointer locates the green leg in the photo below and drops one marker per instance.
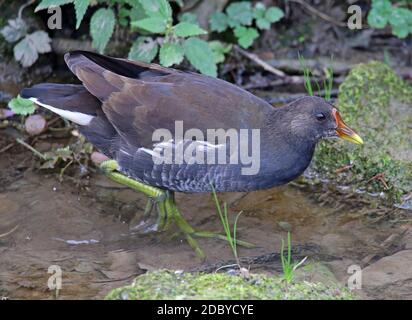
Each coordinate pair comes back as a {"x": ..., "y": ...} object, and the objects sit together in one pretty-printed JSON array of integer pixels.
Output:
[
  {"x": 156, "y": 196},
  {"x": 165, "y": 206}
]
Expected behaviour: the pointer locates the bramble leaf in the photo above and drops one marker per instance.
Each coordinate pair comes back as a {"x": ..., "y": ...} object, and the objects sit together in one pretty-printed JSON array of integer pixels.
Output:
[
  {"x": 170, "y": 54},
  {"x": 102, "y": 27},
  {"x": 246, "y": 36},
  {"x": 200, "y": 55},
  {"x": 187, "y": 29},
  {"x": 144, "y": 49}
]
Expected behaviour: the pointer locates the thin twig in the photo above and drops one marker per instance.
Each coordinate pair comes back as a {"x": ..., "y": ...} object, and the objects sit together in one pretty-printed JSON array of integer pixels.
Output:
[
  {"x": 9, "y": 232},
  {"x": 7, "y": 147},
  {"x": 260, "y": 62},
  {"x": 320, "y": 14},
  {"x": 24, "y": 6},
  {"x": 37, "y": 153}
]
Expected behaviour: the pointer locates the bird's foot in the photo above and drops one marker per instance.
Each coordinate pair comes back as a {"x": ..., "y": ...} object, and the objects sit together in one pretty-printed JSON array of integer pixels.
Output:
[
  {"x": 190, "y": 234},
  {"x": 150, "y": 223}
]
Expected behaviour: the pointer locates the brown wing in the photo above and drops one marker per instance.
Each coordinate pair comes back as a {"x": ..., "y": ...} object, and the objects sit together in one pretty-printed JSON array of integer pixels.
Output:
[{"x": 139, "y": 98}]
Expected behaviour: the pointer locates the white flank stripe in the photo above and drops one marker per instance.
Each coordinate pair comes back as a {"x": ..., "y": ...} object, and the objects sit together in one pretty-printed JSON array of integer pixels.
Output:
[{"x": 77, "y": 117}]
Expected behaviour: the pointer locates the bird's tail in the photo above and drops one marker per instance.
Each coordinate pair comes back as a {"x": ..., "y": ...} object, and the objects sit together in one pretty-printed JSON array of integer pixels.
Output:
[
  {"x": 75, "y": 103},
  {"x": 70, "y": 101}
]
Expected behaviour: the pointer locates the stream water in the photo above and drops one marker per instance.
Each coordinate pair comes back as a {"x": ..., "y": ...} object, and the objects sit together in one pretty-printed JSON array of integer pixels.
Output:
[{"x": 85, "y": 231}]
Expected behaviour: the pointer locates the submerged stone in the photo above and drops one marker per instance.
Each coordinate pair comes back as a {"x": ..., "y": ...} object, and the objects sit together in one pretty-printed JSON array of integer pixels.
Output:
[
  {"x": 166, "y": 284},
  {"x": 377, "y": 104}
]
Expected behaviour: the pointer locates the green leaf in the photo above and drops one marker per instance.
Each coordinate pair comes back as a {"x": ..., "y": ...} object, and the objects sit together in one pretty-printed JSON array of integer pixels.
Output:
[
  {"x": 14, "y": 30},
  {"x": 80, "y": 6},
  {"x": 170, "y": 53},
  {"x": 28, "y": 49},
  {"x": 218, "y": 22},
  {"x": 21, "y": 106},
  {"x": 188, "y": 17},
  {"x": 274, "y": 14},
  {"x": 144, "y": 49},
  {"x": 379, "y": 14},
  {"x": 153, "y": 25},
  {"x": 44, "y": 4},
  {"x": 101, "y": 28},
  {"x": 246, "y": 36},
  {"x": 137, "y": 12},
  {"x": 187, "y": 29},
  {"x": 122, "y": 15},
  {"x": 400, "y": 31},
  {"x": 401, "y": 21},
  {"x": 259, "y": 10},
  {"x": 263, "y": 24},
  {"x": 240, "y": 13},
  {"x": 157, "y": 8},
  {"x": 200, "y": 56},
  {"x": 265, "y": 17},
  {"x": 219, "y": 50}
]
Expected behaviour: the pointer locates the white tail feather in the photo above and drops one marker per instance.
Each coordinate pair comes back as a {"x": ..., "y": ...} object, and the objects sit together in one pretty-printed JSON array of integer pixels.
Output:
[{"x": 77, "y": 117}]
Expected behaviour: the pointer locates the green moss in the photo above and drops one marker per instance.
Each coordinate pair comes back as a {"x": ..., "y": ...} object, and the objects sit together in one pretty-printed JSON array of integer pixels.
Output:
[
  {"x": 174, "y": 285},
  {"x": 377, "y": 104}
]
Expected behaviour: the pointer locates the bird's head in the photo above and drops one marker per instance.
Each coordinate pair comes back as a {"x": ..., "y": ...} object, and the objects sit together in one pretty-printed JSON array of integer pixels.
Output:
[{"x": 314, "y": 118}]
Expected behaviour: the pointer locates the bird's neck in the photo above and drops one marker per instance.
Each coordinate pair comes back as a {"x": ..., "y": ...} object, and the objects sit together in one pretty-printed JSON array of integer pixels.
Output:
[{"x": 286, "y": 155}]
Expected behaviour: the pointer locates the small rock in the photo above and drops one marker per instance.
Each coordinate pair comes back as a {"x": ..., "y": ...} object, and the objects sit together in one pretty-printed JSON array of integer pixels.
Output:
[
  {"x": 35, "y": 124},
  {"x": 390, "y": 275},
  {"x": 97, "y": 158},
  {"x": 5, "y": 113},
  {"x": 285, "y": 226}
]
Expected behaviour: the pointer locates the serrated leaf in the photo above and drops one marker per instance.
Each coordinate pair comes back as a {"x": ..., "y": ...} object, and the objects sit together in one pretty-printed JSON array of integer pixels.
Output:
[
  {"x": 40, "y": 41},
  {"x": 187, "y": 29},
  {"x": 219, "y": 50},
  {"x": 28, "y": 49},
  {"x": 218, "y": 22},
  {"x": 157, "y": 8},
  {"x": 21, "y": 106},
  {"x": 200, "y": 56},
  {"x": 400, "y": 16},
  {"x": 14, "y": 30},
  {"x": 263, "y": 24},
  {"x": 259, "y": 10},
  {"x": 153, "y": 25},
  {"x": 401, "y": 21},
  {"x": 102, "y": 27},
  {"x": 80, "y": 6},
  {"x": 400, "y": 31},
  {"x": 240, "y": 13},
  {"x": 379, "y": 14},
  {"x": 274, "y": 14},
  {"x": 137, "y": 12},
  {"x": 44, "y": 4},
  {"x": 144, "y": 49},
  {"x": 246, "y": 36},
  {"x": 188, "y": 17},
  {"x": 170, "y": 54},
  {"x": 25, "y": 53}
]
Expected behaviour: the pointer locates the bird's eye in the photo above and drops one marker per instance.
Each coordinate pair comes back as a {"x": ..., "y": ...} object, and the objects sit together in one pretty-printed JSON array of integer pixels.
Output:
[{"x": 320, "y": 116}]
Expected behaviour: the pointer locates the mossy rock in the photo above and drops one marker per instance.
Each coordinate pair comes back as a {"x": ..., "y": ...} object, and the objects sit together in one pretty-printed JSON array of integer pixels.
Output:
[
  {"x": 166, "y": 284},
  {"x": 377, "y": 104}
]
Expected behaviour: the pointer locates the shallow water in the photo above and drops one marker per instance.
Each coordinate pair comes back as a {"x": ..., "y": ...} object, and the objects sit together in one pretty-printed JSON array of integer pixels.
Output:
[{"x": 85, "y": 231}]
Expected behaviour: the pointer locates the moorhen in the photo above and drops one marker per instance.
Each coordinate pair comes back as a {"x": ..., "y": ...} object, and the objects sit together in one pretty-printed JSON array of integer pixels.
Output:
[{"x": 135, "y": 112}]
